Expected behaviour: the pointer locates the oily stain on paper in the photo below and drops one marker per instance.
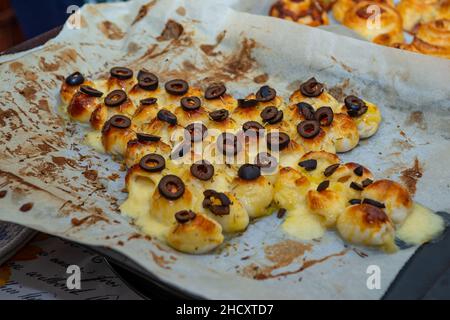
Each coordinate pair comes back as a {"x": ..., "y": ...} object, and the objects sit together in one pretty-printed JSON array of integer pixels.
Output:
[{"x": 28, "y": 253}]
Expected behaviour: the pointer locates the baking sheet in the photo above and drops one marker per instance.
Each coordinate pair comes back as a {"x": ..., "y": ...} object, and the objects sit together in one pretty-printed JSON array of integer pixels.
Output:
[{"x": 42, "y": 157}]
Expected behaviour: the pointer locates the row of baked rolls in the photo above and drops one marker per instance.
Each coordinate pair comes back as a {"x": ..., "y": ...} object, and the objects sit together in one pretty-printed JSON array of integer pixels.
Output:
[
  {"x": 417, "y": 12},
  {"x": 432, "y": 38}
]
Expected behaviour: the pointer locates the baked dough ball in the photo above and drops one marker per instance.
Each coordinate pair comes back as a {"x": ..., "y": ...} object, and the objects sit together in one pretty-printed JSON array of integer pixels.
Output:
[
  {"x": 341, "y": 7},
  {"x": 255, "y": 195},
  {"x": 226, "y": 101},
  {"x": 289, "y": 156},
  {"x": 187, "y": 117},
  {"x": 81, "y": 106},
  {"x": 433, "y": 38},
  {"x": 290, "y": 188},
  {"x": 67, "y": 91},
  {"x": 344, "y": 131},
  {"x": 352, "y": 178},
  {"x": 368, "y": 122},
  {"x": 115, "y": 139},
  {"x": 137, "y": 149},
  {"x": 321, "y": 142},
  {"x": 324, "y": 99},
  {"x": 328, "y": 204},
  {"x": 145, "y": 113},
  {"x": 416, "y": 12},
  {"x": 197, "y": 236},
  {"x": 309, "y": 12},
  {"x": 394, "y": 196},
  {"x": 323, "y": 160},
  {"x": 168, "y": 133},
  {"x": 368, "y": 225},
  {"x": 362, "y": 18},
  {"x": 137, "y": 94},
  {"x": 103, "y": 112},
  {"x": 236, "y": 221}
]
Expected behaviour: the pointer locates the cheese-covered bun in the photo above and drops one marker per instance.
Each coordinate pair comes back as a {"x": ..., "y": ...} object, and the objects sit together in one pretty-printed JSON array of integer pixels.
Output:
[
  {"x": 328, "y": 204},
  {"x": 321, "y": 98},
  {"x": 137, "y": 94},
  {"x": 137, "y": 149},
  {"x": 236, "y": 220},
  {"x": 289, "y": 156},
  {"x": 322, "y": 160},
  {"x": 103, "y": 112},
  {"x": 415, "y": 12},
  {"x": 344, "y": 132},
  {"x": 71, "y": 86},
  {"x": 82, "y": 106},
  {"x": 146, "y": 112},
  {"x": 186, "y": 117},
  {"x": 255, "y": 195},
  {"x": 321, "y": 142},
  {"x": 197, "y": 236},
  {"x": 375, "y": 21},
  {"x": 164, "y": 130},
  {"x": 393, "y": 195},
  {"x": 353, "y": 178},
  {"x": 368, "y": 225},
  {"x": 226, "y": 101},
  {"x": 116, "y": 133},
  {"x": 290, "y": 188}
]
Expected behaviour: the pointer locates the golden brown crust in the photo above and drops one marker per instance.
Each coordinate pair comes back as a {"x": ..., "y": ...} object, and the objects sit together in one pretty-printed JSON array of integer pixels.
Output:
[
  {"x": 309, "y": 12},
  {"x": 115, "y": 140},
  {"x": 377, "y": 22},
  {"x": 416, "y": 12},
  {"x": 341, "y": 7},
  {"x": 433, "y": 38},
  {"x": 82, "y": 106}
]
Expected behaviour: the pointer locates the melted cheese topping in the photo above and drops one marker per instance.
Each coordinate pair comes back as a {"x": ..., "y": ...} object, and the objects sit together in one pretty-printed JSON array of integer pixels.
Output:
[
  {"x": 421, "y": 226},
  {"x": 94, "y": 140},
  {"x": 303, "y": 225}
]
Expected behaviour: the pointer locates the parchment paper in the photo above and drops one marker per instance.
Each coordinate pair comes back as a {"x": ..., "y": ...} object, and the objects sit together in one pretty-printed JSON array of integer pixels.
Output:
[{"x": 75, "y": 192}]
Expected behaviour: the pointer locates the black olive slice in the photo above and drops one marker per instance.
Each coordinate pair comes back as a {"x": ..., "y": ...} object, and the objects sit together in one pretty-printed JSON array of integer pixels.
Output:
[
  {"x": 366, "y": 182},
  {"x": 308, "y": 129},
  {"x": 217, "y": 202},
  {"x": 116, "y": 98},
  {"x": 148, "y": 101},
  {"x": 147, "y": 80},
  {"x": 249, "y": 172},
  {"x": 184, "y": 216},
  {"x": 146, "y": 137},
  {"x": 306, "y": 110},
  {"x": 277, "y": 140},
  {"x": 374, "y": 203},
  {"x": 247, "y": 103},
  {"x": 177, "y": 87},
  {"x": 323, "y": 185},
  {"x": 202, "y": 170},
  {"x": 167, "y": 116},
  {"x": 277, "y": 118},
  {"x": 269, "y": 113},
  {"x": 324, "y": 115},
  {"x": 171, "y": 187},
  {"x": 190, "y": 103},
  {"x": 281, "y": 213},
  {"x": 359, "y": 170},
  {"x": 311, "y": 88},
  {"x": 195, "y": 132},
  {"x": 215, "y": 91},
  {"x": 75, "y": 79},
  {"x": 91, "y": 91},
  {"x": 265, "y": 94},
  {"x": 152, "y": 163},
  {"x": 356, "y": 186},
  {"x": 219, "y": 115},
  {"x": 355, "y": 201},
  {"x": 120, "y": 121},
  {"x": 121, "y": 73},
  {"x": 308, "y": 165},
  {"x": 355, "y": 106},
  {"x": 331, "y": 169},
  {"x": 228, "y": 144},
  {"x": 252, "y": 125}
]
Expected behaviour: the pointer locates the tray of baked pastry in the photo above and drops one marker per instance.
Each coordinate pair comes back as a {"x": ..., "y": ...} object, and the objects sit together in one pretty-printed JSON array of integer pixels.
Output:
[
  {"x": 223, "y": 159},
  {"x": 413, "y": 25}
]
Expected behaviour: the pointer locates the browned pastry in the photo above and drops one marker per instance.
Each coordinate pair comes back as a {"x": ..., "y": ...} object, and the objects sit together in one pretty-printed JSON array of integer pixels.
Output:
[
  {"x": 405, "y": 46},
  {"x": 341, "y": 7},
  {"x": 377, "y": 22},
  {"x": 309, "y": 12},
  {"x": 433, "y": 38},
  {"x": 416, "y": 12}
]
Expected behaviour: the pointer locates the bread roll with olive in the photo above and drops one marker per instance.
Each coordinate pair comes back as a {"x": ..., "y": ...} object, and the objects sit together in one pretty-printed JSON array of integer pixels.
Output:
[
  {"x": 194, "y": 233},
  {"x": 116, "y": 133},
  {"x": 326, "y": 203},
  {"x": 366, "y": 115},
  {"x": 392, "y": 197},
  {"x": 290, "y": 188},
  {"x": 368, "y": 225},
  {"x": 71, "y": 86},
  {"x": 313, "y": 93},
  {"x": 83, "y": 103},
  {"x": 142, "y": 145}
]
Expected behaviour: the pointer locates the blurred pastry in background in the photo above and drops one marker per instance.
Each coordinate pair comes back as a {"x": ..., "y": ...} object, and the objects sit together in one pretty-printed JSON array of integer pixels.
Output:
[
  {"x": 433, "y": 38},
  {"x": 405, "y": 46},
  {"x": 308, "y": 12},
  {"x": 341, "y": 7},
  {"x": 327, "y": 5},
  {"x": 416, "y": 12},
  {"x": 375, "y": 21}
]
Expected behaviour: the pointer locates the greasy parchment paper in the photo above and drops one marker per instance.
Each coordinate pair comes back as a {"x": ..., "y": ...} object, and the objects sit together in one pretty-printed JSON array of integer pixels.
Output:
[{"x": 75, "y": 191}]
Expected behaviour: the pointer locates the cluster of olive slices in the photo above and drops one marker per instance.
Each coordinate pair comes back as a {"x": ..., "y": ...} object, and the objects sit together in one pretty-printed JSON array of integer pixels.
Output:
[{"x": 202, "y": 163}]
